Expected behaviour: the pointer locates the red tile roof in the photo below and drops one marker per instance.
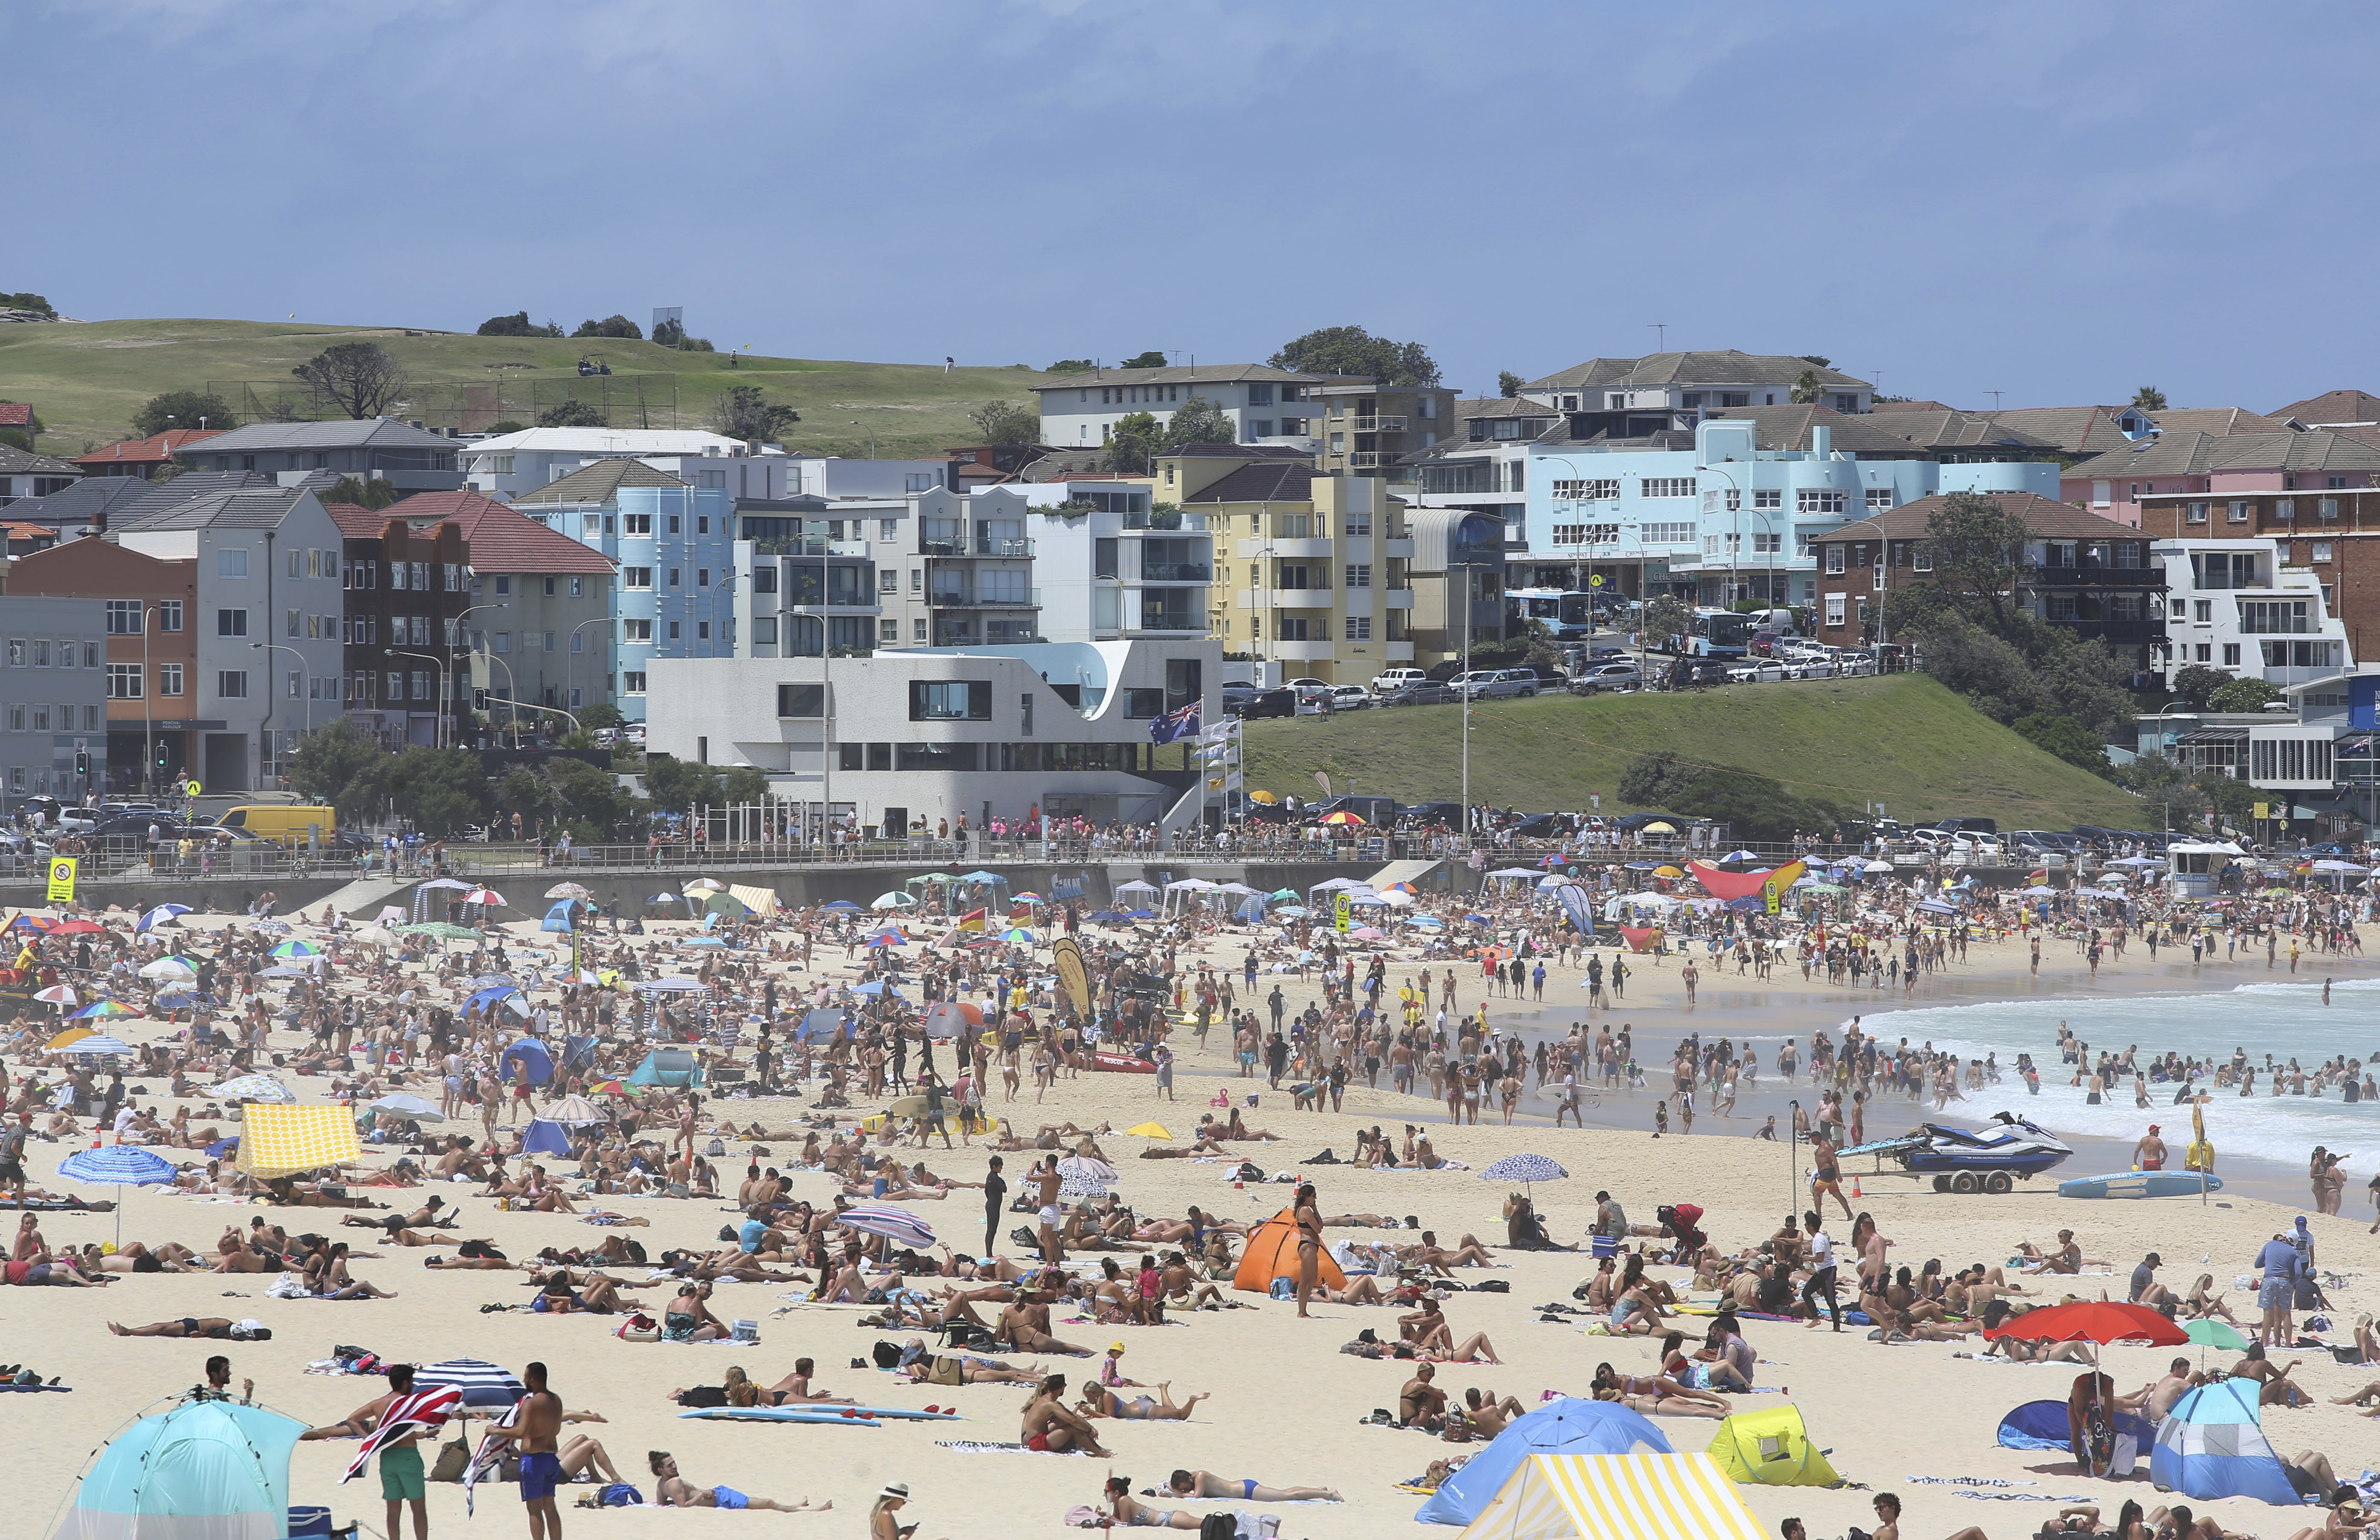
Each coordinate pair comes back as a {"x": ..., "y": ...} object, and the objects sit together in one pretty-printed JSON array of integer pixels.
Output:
[
  {"x": 500, "y": 539},
  {"x": 156, "y": 449},
  {"x": 16, "y": 414}
]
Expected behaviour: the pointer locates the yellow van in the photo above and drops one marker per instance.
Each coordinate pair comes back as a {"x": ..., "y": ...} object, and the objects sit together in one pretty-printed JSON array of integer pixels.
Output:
[{"x": 284, "y": 823}]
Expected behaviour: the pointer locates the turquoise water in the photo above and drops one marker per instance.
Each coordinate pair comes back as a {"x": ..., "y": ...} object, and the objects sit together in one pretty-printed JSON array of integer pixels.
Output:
[{"x": 2284, "y": 1020}]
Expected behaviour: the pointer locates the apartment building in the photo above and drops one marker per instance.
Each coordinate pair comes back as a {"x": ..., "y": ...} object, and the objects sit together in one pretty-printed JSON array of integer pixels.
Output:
[
  {"x": 1630, "y": 398},
  {"x": 54, "y": 705},
  {"x": 2119, "y": 484},
  {"x": 1368, "y": 429},
  {"x": 969, "y": 564},
  {"x": 409, "y": 459},
  {"x": 1265, "y": 405},
  {"x": 150, "y": 658},
  {"x": 509, "y": 466},
  {"x": 404, "y": 577},
  {"x": 2325, "y": 546}
]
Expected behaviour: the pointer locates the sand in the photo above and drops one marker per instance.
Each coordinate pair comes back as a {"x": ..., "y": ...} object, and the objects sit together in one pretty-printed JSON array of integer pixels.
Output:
[{"x": 1288, "y": 1406}]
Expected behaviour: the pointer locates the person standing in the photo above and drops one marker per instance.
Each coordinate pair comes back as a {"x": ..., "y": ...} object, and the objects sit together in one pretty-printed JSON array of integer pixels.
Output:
[
  {"x": 1822, "y": 1270},
  {"x": 995, "y": 1195},
  {"x": 534, "y": 1436},
  {"x": 1307, "y": 1216}
]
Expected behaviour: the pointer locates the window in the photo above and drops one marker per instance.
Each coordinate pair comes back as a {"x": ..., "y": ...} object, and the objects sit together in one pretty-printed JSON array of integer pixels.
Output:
[
  {"x": 635, "y": 577},
  {"x": 2275, "y": 616},
  {"x": 1595, "y": 491},
  {"x": 231, "y": 684},
  {"x": 1357, "y": 526},
  {"x": 169, "y": 614},
  {"x": 1767, "y": 544},
  {"x": 504, "y": 582},
  {"x": 2231, "y": 655},
  {"x": 1665, "y": 486},
  {"x": 2285, "y": 507},
  {"x": 1879, "y": 497},
  {"x": 296, "y": 623},
  {"x": 672, "y": 528},
  {"x": 702, "y": 577},
  {"x": 1834, "y": 561},
  {"x": 297, "y": 686},
  {"x": 1835, "y": 608},
  {"x": 702, "y": 630},
  {"x": 231, "y": 563},
  {"x": 1667, "y": 534},
  {"x": 2203, "y": 611},
  {"x": 1586, "y": 534},
  {"x": 950, "y": 700},
  {"x": 504, "y": 641},
  {"x": 1359, "y": 576},
  {"x": 169, "y": 679},
  {"x": 673, "y": 577},
  {"x": 1359, "y": 628},
  {"x": 2326, "y": 507},
  {"x": 632, "y": 682},
  {"x": 2240, "y": 510},
  {"x": 635, "y": 524},
  {"x": 231, "y": 623},
  {"x": 801, "y": 700},
  {"x": 2321, "y": 550},
  {"x": 888, "y": 630},
  {"x": 1820, "y": 500},
  {"x": 919, "y": 631},
  {"x": 2195, "y": 512},
  {"x": 123, "y": 680},
  {"x": 124, "y": 617}
]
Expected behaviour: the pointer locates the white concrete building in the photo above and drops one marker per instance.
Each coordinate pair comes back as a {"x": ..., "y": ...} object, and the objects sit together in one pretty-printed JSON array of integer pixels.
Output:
[
  {"x": 1265, "y": 405},
  {"x": 510, "y": 464},
  {"x": 885, "y": 742},
  {"x": 2233, "y": 605}
]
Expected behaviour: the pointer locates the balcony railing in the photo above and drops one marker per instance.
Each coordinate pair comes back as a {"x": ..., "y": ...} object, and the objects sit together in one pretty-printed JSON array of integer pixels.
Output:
[
  {"x": 1176, "y": 572},
  {"x": 1368, "y": 459},
  {"x": 1379, "y": 425},
  {"x": 983, "y": 545},
  {"x": 2090, "y": 575},
  {"x": 2121, "y": 631}
]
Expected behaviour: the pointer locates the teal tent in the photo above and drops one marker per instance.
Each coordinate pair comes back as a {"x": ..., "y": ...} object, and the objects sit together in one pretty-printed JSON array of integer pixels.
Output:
[
  {"x": 203, "y": 1471},
  {"x": 668, "y": 1066}
]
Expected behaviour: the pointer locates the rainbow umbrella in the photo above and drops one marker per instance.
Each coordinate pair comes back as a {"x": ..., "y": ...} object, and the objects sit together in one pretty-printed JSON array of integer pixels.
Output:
[
  {"x": 1017, "y": 934},
  {"x": 105, "y": 1008}
]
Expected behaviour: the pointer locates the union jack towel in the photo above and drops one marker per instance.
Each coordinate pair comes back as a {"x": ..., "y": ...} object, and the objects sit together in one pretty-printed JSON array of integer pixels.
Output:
[{"x": 421, "y": 1410}]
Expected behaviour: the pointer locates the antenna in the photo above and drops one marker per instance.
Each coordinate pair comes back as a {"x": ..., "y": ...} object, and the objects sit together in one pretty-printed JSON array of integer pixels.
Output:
[
  {"x": 1995, "y": 399},
  {"x": 1660, "y": 335}
]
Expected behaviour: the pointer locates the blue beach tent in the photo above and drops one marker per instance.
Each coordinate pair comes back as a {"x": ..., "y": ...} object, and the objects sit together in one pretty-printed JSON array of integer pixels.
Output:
[
  {"x": 204, "y": 1470},
  {"x": 2211, "y": 1445},
  {"x": 1565, "y": 1426}
]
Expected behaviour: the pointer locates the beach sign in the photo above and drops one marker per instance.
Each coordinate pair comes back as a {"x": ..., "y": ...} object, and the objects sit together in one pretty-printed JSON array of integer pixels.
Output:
[
  {"x": 62, "y": 880},
  {"x": 1341, "y": 913}
]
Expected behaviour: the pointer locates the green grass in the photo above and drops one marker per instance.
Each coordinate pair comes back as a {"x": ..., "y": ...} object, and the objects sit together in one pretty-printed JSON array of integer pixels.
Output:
[
  {"x": 86, "y": 378},
  {"x": 1904, "y": 741}
]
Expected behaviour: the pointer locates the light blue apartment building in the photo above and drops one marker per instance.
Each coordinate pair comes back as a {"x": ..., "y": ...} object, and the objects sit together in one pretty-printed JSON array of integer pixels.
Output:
[{"x": 1724, "y": 521}]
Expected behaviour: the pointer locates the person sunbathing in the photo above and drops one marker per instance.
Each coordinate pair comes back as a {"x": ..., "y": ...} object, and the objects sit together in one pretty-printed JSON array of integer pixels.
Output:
[
  {"x": 944, "y": 1369},
  {"x": 794, "y": 1389},
  {"x": 2019, "y": 1349},
  {"x": 1101, "y": 1401},
  {"x": 2276, "y": 1389},
  {"x": 598, "y": 1297},
  {"x": 1361, "y": 1289},
  {"x": 166, "y": 1256},
  {"x": 1488, "y": 1413},
  {"x": 2206, "y": 1301},
  {"x": 472, "y": 1256},
  {"x": 1430, "y": 1254},
  {"x": 1206, "y": 1483},
  {"x": 1024, "y": 1325},
  {"x": 674, "y": 1491},
  {"x": 2068, "y": 1258},
  {"x": 1653, "y": 1402},
  {"x": 1124, "y": 1509},
  {"x": 189, "y": 1326}
]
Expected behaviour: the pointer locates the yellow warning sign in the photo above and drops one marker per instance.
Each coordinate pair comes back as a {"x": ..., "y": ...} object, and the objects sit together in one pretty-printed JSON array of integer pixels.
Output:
[{"x": 62, "y": 880}]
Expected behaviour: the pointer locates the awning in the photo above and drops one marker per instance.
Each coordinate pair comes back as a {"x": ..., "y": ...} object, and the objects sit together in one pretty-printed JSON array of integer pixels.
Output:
[
  {"x": 1615, "y": 1497},
  {"x": 2211, "y": 736},
  {"x": 284, "y": 1140}
]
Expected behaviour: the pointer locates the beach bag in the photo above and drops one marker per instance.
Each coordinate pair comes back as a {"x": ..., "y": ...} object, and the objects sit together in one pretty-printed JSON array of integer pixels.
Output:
[
  {"x": 947, "y": 1370},
  {"x": 619, "y": 1494},
  {"x": 887, "y": 1354},
  {"x": 451, "y": 1458},
  {"x": 1219, "y": 1526}
]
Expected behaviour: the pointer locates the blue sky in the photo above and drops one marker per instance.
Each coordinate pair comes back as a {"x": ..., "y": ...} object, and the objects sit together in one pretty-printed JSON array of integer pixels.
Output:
[{"x": 2056, "y": 201}]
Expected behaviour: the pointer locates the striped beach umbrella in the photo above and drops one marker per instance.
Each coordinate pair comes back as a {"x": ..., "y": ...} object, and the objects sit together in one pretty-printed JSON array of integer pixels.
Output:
[
  {"x": 255, "y": 1087},
  {"x": 99, "y": 1046},
  {"x": 294, "y": 948},
  {"x": 894, "y": 1223},
  {"x": 482, "y": 1384}
]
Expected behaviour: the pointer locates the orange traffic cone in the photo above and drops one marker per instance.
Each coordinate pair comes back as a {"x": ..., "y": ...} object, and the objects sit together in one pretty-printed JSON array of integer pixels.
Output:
[{"x": 1856, "y": 1192}]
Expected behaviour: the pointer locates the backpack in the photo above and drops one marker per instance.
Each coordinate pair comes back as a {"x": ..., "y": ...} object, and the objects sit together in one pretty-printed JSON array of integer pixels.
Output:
[
  {"x": 621, "y": 1495},
  {"x": 1219, "y": 1526},
  {"x": 703, "y": 1395},
  {"x": 451, "y": 1458},
  {"x": 887, "y": 1354}
]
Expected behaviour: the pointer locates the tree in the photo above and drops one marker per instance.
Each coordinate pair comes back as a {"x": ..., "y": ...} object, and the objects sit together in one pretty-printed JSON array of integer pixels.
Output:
[
  {"x": 1007, "y": 422},
  {"x": 1652, "y": 780},
  {"x": 1818, "y": 358},
  {"x": 741, "y": 412},
  {"x": 1508, "y": 384},
  {"x": 675, "y": 785},
  {"x": 571, "y": 413},
  {"x": 17, "y": 438},
  {"x": 1072, "y": 365},
  {"x": 179, "y": 409},
  {"x": 2148, "y": 398},
  {"x": 2067, "y": 738},
  {"x": 672, "y": 333},
  {"x": 374, "y": 494},
  {"x": 611, "y": 326},
  {"x": 1132, "y": 440},
  {"x": 1153, "y": 358},
  {"x": 1198, "y": 420},
  {"x": 1806, "y": 386},
  {"x": 2243, "y": 694},
  {"x": 1666, "y": 617},
  {"x": 2233, "y": 800},
  {"x": 592, "y": 800},
  {"x": 2195, "y": 684},
  {"x": 339, "y": 765},
  {"x": 1973, "y": 542},
  {"x": 1353, "y": 350},
  {"x": 359, "y": 378},
  {"x": 507, "y": 425},
  {"x": 524, "y": 792},
  {"x": 601, "y": 715},
  {"x": 440, "y": 790},
  {"x": 32, "y": 302},
  {"x": 517, "y": 325}
]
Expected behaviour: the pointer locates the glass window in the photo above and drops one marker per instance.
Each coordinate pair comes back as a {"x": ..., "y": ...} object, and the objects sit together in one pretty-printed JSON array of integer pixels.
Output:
[
  {"x": 632, "y": 682},
  {"x": 231, "y": 623},
  {"x": 169, "y": 614},
  {"x": 801, "y": 700},
  {"x": 123, "y": 681},
  {"x": 950, "y": 700},
  {"x": 169, "y": 679},
  {"x": 231, "y": 684},
  {"x": 231, "y": 563}
]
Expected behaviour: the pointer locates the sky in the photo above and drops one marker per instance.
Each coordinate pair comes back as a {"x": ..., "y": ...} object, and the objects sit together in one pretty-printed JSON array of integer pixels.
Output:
[{"x": 2056, "y": 202}]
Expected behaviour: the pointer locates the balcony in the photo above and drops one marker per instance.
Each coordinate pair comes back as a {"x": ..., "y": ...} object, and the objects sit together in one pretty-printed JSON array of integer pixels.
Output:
[
  {"x": 967, "y": 601},
  {"x": 1379, "y": 425},
  {"x": 983, "y": 545},
  {"x": 1397, "y": 546},
  {"x": 1285, "y": 599},
  {"x": 1176, "y": 572},
  {"x": 1400, "y": 652},
  {"x": 809, "y": 545},
  {"x": 1253, "y": 548},
  {"x": 1297, "y": 652},
  {"x": 1397, "y": 598},
  {"x": 1372, "y": 459},
  {"x": 2086, "y": 575},
  {"x": 2120, "y": 631}
]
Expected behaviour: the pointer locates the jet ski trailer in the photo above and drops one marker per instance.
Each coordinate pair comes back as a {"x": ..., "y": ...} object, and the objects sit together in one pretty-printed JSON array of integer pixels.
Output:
[{"x": 1990, "y": 1159}]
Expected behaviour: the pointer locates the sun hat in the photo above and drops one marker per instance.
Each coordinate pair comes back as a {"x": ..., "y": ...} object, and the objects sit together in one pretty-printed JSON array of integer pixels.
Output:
[
  {"x": 1115, "y": 1347},
  {"x": 898, "y": 1489}
]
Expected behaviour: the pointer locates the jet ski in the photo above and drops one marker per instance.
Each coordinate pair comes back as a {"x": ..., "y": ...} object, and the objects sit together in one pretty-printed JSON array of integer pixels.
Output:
[{"x": 2007, "y": 1144}]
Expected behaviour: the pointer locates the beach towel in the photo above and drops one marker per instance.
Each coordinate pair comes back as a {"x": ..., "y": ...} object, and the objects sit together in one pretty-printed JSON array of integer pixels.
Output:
[
  {"x": 983, "y": 1446},
  {"x": 422, "y": 1410}
]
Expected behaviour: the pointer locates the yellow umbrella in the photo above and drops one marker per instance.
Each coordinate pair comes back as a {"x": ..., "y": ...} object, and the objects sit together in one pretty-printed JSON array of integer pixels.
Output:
[
  {"x": 71, "y": 1035},
  {"x": 1340, "y": 817},
  {"x": 1266, "y": 797},
  {"x": 1657, "y": 829},
  {"x": 1667, "y": 871},
  {"x": 1151, "y": 1131}
]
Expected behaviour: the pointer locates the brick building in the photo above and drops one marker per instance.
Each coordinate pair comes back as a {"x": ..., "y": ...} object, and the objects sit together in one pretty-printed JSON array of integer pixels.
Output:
[
  {"x": 2332, "y": 534},
  {"x": 2088, "y": 575},
  {"x": 405, "y": 594}
]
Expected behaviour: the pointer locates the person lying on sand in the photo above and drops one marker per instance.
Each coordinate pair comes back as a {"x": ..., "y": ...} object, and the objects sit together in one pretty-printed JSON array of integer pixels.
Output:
[
  {"x": 794, "y": 1389},
  {"x": 1097, "y": 1401},
  {"x": 674, "y": 1491},
  {"x": 1206, "y": 1483},
  {"x": 965, "y": 1370},
  {"x": 189, "y": 1326},
  {"x": 1656, "y": 1395}
]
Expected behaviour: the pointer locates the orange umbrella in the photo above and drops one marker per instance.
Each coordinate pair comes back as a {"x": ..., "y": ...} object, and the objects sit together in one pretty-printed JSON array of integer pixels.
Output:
[
  {"x": 1271, "y": 1253},
  {"x": 2092, "y": 1321},
  {"x": 1340, "y": 817}
]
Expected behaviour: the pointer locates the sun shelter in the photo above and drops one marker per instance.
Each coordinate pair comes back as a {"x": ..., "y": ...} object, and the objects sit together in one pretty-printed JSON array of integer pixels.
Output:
[
  {"x": 1564, "y": 1426},
  {"x": 668, "y": 1066},
  {"x": 203, "y": 1471},
  {"x": 545, "y": 1137},
  {"x": 761, "y": 903},
  {"x": 1271, "y": 1253},
  {"x": 1615, "y": 1497},
  {"x": 1771, "y": 1448},
  {"x": 284, "y": 1140},
  {"x": 2213, "y": 1444}
]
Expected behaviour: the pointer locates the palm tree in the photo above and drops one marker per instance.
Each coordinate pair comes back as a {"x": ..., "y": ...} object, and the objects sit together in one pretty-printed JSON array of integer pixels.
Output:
[
  {"x": 1806, "y": 386},
  {"x": 2148, "y": 398}
]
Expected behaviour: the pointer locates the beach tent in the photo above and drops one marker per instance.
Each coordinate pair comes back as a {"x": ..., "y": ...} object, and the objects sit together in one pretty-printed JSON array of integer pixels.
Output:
[
  {"x": 1564, "y": 1426},
  {"x": 545, "y": 1137},
  {"x": 762, "y": 903},
  {"x": 284, "y": 1140},
  {"x": 668, "y": 1066},
  {"x": 1615, "y": 1497},
  {"x": 203, "y": 1471},
  {"x": 2211, "y": 1445},
  {"x": 1271, "y": 1253},
  {"x": 527, "y": 1060},
  {"x": 2043, "y": 1425},
  {"x": 1770, "y": 1448}
]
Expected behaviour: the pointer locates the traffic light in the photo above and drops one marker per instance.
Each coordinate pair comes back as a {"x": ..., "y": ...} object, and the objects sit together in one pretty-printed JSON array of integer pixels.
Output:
[
  {"x": 82, "y": 763},
  {"x": 161, "y": 758}
]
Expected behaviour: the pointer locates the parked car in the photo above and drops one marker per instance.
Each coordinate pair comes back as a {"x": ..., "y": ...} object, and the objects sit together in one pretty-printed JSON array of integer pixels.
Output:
[
  {"x": 1350, "y": 697},
  {"x": 1421, "y": 693},
  {"x": 1309, "y": 683},
  {"x": 1544, "y": 826},
  {"x": 1447, "y": 813},
  {"x": 1607, "y": 676},
  {"x": 1497, "y": 683},
  {"x": 1396, "y": 679},
  {"x": 1969, "y": 825},
  {"x": 1281, "y": 702},
  {"x": 1373, "y": 810},
  {"x": 1764, "y": 673},
  {"x": 1855, "y": 662},
  {"x": 1810, "y": 668}
]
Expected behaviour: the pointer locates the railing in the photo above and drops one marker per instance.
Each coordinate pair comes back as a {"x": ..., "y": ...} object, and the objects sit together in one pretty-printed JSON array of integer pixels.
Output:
[
  {"x": 2086, "y": 575},
  {"x": 1367, "y": 459},
  {"x": 809, "y": 545},
  {"x": 985, "y": 545},
  {"x": 1379, "y": 425},
  {"x": 2112, "y": 630},
  {"x": 1176, "y": 572}
]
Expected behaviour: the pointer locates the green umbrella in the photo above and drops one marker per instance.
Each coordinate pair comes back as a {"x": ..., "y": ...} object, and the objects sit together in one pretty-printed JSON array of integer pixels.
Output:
[{"x": 2212, "y": 1333}]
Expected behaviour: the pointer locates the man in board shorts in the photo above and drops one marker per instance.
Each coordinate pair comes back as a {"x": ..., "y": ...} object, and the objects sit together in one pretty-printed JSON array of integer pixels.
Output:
[
  {"x": 1046, "y": 1178},
  {"x": 1825, "y": 1174}
]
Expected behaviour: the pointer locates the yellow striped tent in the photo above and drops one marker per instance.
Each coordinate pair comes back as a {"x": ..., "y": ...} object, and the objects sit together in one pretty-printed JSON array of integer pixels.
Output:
[
  {"x": 284, "y": 1140},
  {"x": 762, "y": 902},
  {"x": 1614, "y": 1496}
]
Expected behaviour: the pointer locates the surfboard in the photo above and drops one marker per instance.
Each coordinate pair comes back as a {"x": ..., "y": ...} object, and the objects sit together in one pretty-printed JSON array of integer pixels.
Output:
[{"x": 2138, "y": 1184}]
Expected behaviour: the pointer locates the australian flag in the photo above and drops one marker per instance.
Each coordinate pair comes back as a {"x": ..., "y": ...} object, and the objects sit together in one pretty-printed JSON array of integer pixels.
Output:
[{"x": 1174, "y": 726}]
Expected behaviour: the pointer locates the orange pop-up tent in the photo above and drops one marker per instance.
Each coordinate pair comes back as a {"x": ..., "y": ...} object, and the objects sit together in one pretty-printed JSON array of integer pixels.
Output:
[{"x": 1271, "y": 1253}]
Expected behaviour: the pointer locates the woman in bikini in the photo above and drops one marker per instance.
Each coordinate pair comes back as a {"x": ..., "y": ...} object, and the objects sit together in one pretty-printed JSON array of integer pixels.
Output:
[
  {"x": 1308, "y": 1219},
  {"x": 1131, "y": 1512},
  {"x": 1101, "y": 1401},
  {"x": 1656, "y": 1395}
]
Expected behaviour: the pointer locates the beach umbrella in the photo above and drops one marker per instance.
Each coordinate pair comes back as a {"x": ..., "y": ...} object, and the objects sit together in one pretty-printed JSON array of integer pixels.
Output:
[
  {"x": 159, "y": 914},
  {"x": 118, "y": 1166},
  {"x": 1266, "y": 797},
  {"x": 876, "y": 986},
  {"x": 1106, "y": 916},
  {"x": 569, "y": 891},
  {"x": 481, "y": 1384},
  {"x": 1526, "y": 1169},
  {"x": 613, "y": 1088},
  {"x": 1028, "y": 898},
  {"x": 704, "y": 885},
  {"x": 441, "y": 930},
  {"x": 2098, "y": 1321},
  {"x": 1017, "y": 934},
  {"x": 2212, "y": 1333},
  {"x": 894, "y": 1223},
  {"x": 105, "y": 1008},
  {"x": 404, "y": 1104},
  {"x": 297, "y": 950},
  {"x": 254, "y": 1087},
  {"x": 1140, "y": 913},
  {"x": 845, "y": 903},
  {"x": 887, "y": 901},
  {"x": 78, "y": 928},
  {"x": 58, "y": 994},
  {"x": 672, "y": 898},
  {"x": 528, "y": 1060},
  {"x": 1086, "y": 1168},
  {"x": 1367, "y": 933},
  {"x": 71, "y": 1035},
  {"x": 493, "y": 981},
  {"x": 487, "y": 898},
  {"x": 96, "y": 1045},
  {"x": 1151, "y": 1131},
  {"x": 1658, "y": 828},
  {"x": 576, "y": 1112},
  {"x": 1340, "y": 817}
]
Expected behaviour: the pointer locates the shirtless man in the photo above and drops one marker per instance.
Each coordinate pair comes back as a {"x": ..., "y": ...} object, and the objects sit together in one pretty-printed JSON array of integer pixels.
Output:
[
  {"x": 1487, "y": 1413},
  {"x": 2150, "y": 1153},
  {"x": 1429, "y": 1253},
  {"x": 534, "y": 1435},
  {"x": 2158, "y": 1398},
  {"x": 1826, "y": 1174},
  {"x": 794, "y": 1389},
  {"x": 1888, "y": 1520},
  {"x": 1052, "y": 1426},
  {"x": 1047, "y": 1182},
  {"x": 673, "y": 1490}
]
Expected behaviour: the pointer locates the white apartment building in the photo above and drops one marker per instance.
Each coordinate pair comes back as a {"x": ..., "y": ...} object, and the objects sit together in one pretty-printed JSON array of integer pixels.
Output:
[
  {"x": 1628, "y": 398},
  {"x": 512, "y": 464},
  {"x": 2234, "y": 605},
  {"x": 1265, "y": 405}
]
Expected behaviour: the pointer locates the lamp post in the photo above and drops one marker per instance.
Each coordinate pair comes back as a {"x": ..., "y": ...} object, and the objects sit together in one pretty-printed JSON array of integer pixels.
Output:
[
  {"x": 271, "y": 648},
  {"x": 401, "y": 652},
  {"x": 871, "y": 436},
  {"x": 509, "y": 692},
  {"x": 462, "y": 639},
  {"x": 148, "y": 716}
]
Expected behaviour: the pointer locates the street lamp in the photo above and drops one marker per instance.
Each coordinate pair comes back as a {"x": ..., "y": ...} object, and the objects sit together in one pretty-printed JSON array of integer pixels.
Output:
[
  {"x": 271, "y": 648},
  {"x": 871, "y": 436},
  {"x": 510, "y": 691},
  {"x": 462, "y": 639},
  {"x": 402, "y": 653}
]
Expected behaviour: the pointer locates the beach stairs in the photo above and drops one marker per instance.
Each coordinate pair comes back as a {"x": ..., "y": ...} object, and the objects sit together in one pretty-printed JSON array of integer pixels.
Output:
[
  {"x": 366, "y": 896},
  {"x": 1415, "y": 872}
]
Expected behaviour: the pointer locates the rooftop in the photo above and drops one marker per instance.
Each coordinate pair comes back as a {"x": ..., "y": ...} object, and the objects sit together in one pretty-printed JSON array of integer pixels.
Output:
[
  {"x": 18, "y": 462},
  {"x": 1261, "y": 482},
  {"x": 1196, "y": 374},
  {"x": 502, "y": 540},
  {"x": 600, "y": 482},
  {"x": 156, "y": 449},
  {"x": 608, "y": 441},
  {"x": 2196, "y": 453},
  {"x": 2044, "y": 516},
  {"x": 2331, "y": 410},
  {"x": 1727, "y": 367},
  {"x": 382, "y": 432},
  {"x": 251, "y": 508}
]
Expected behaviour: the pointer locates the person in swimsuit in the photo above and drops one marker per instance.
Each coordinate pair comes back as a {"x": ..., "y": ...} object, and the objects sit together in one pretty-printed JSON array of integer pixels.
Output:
[
  {"x": 189, "y": 1326},
  {"x": 1826, "y": 1174},
  {"x": 1101, "y": 1401},
  {"x": 1130, "y": 1510},
  {"x": 674, "y": 1491},
  {"x": 534, "y": 1435},
  {"x": 1205, "y": 1483},
  {"x": 1308, "y": 1219}
]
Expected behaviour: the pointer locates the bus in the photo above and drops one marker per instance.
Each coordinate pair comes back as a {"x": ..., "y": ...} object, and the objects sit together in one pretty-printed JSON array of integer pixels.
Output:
[
  {"x": 1721, "y": 633},
  {"x": 1569, "y": 615}
]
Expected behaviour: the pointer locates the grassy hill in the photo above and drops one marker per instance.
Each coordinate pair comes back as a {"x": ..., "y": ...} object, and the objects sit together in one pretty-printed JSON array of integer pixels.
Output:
[
  {"x": 1903, "y": 740},
  {"x": 86, "y": 378}
]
